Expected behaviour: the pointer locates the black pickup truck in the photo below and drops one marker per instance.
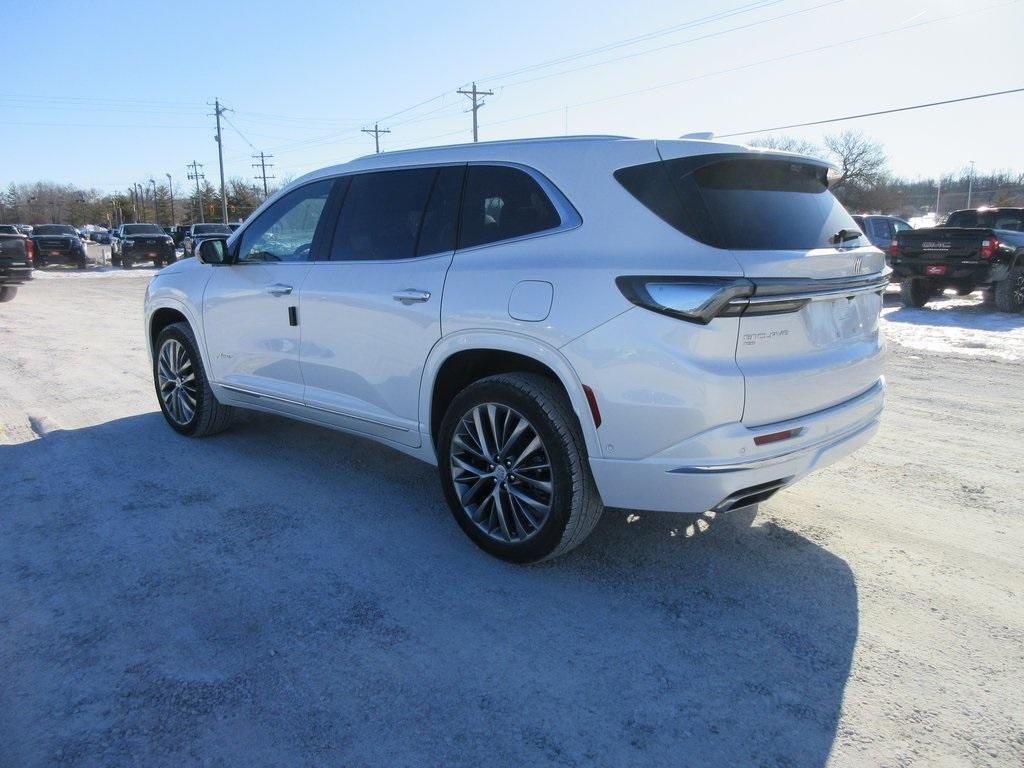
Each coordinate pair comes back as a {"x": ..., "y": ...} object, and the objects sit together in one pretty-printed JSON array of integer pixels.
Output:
[
  {"x": 58, "y": 244},
  {"x": 15, "y": 262},
  {"x": 980, "y": 248}
]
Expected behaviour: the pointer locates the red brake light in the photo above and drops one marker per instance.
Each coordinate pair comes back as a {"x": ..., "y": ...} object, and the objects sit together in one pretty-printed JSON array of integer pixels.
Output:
[
  {"x": 988, "y": 247},
  {"x": 775, "y": 437},
  {"x": 894, "y": 249},
  {"x": 30, "y": 251}
]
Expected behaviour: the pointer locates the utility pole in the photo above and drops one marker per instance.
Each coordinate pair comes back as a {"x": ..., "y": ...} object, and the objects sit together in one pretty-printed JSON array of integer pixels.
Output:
[
  {"x": 195, "y": 175},
  {"x": 263, "y": 165},
  {"x": 938, "y": 197},
  {"x": 156, "y": 211},
  {"x": 170, "y": 192},
  {"x": 376, "y": 131},
  {"x": 970, "y": 185},
  {"x": 140, "y": 212},
  {"x": 218, "y": 110},
  {"x": 474, "y": 96}
]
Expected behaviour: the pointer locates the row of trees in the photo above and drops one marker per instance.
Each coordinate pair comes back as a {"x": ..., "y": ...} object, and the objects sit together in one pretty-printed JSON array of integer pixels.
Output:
[
  {"x": 50, "y": 203},
  {"x": 866, "y": 184}
]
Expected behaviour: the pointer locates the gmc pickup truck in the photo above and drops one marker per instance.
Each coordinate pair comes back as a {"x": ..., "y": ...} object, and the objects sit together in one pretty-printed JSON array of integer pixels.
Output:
[
  {"x": 982, "y": 248},
  {"x": 58, "y": 244},
  {"x": 15, "y": 262}
]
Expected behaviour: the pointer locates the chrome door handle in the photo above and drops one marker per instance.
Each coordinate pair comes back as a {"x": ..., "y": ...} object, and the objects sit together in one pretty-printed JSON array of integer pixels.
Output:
[
  {"x": 279, "y": 289},
  {"x": 411, "y": 296}
]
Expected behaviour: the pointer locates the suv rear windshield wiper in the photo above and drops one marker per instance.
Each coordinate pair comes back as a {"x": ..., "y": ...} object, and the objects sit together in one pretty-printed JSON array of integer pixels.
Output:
[{"x": 845, "y": 234}]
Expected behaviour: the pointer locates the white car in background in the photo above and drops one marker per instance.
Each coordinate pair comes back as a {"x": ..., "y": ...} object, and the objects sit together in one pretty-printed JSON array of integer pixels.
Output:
[{"x": 558, "y": 324}]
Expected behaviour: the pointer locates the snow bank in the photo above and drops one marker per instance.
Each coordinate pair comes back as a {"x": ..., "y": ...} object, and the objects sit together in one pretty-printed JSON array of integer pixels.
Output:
[
  {"x": 71, "y": 273},
  {"x": 956, "y": 325}
]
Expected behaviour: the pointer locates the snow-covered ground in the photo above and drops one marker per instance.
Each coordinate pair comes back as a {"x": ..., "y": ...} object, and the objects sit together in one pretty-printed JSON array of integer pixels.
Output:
[
  {"x": 955, "y": 325},
  {"x": 283, "y": 595}
]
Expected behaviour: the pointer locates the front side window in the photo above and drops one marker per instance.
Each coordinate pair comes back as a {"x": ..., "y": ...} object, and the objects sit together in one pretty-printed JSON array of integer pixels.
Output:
[
  {"x": 899, "y": 225},
  {"x": 501, "y": 203},
  {"x": 285, "y": 231},
  {"x": 382, "y": 214}
]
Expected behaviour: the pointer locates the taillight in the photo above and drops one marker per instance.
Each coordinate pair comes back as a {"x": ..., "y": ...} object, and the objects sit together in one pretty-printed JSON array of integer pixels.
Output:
[
  {"x": 30, "y": 251},
  {"x": 894, "y": 248},
  {"x": 988, "y": 247}
]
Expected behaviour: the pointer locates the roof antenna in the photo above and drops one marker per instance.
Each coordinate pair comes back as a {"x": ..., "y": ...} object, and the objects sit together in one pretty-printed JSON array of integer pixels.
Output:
[{"x": 700, "y": 136}]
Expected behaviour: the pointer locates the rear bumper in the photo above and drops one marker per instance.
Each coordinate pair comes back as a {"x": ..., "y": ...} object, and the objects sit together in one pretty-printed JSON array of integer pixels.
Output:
[
  {"x": 15, "y": 275},
  {"x": 723, "y": 468},
  {"x": 979, "y": 273},
  {"x": 142, "y": 253}
]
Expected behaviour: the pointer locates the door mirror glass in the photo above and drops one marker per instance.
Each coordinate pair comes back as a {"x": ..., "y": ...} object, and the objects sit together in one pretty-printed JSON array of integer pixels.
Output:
[{"x": 213, "y": 251}]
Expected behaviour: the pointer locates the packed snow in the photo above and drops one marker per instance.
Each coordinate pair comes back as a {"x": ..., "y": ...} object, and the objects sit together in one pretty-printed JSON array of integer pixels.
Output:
[{"x": 955, "y": 325}]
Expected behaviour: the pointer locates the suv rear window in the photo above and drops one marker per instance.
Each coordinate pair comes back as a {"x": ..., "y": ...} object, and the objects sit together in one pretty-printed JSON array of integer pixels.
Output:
[
  {"x": 143, "y": 229},
  {"x": 741, "y": 202}
]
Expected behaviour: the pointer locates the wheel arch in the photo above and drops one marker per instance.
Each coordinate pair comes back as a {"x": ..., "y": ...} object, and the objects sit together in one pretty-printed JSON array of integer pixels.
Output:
[
  {"x": 458, "y": 361},
  {"x": 167, "y": 312}
]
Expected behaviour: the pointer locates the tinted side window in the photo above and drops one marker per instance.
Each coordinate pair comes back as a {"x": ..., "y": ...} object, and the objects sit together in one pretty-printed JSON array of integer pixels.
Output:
[
  {"x": 381, "y": 215},
  {"x": 501, "y": 203},
  {"x": 879, "y": 229},
  {"x": 285, "y": 231},
  {"x": 437, "y": 234}
]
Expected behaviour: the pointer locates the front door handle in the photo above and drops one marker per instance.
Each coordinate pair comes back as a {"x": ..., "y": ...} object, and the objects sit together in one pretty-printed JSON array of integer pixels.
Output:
[
  {"x": 411, "y": 296},
  {"x": 279, "y": 289}
]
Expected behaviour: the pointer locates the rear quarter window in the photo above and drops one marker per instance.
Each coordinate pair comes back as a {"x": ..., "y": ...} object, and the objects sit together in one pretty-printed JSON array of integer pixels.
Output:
[{"x": 501, "y": 203}]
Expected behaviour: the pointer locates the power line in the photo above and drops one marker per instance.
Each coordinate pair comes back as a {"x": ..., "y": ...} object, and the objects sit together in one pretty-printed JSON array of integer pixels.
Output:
[
  {"x": 699, "y": 38},
  {"x": 874, "y": 114},
  {"x": 474, "y": 96},
  {"x": 263, "y": 165}
]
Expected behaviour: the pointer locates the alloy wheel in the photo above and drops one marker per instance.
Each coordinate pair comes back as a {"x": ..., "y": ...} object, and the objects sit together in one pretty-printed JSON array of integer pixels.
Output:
[
  {"x": 502, "y": 473},
  {"x": 1018, "y": 290},
  {"x": 176, "y": 379}
]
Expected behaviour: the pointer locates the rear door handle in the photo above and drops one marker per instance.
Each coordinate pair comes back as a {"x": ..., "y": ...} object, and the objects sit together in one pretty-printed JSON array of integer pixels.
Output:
[
  {"x": 411, "y": 296},
  {"x": 279, "y": 289}
]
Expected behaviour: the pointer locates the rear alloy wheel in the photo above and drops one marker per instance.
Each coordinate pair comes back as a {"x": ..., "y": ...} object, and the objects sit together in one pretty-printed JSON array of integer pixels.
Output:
[
  {"x": 514, "y": 468},
  {"x": 915, "y": 293},
  {"x": 186, "y": 400},
  {"x": 1010, "y": 291}
]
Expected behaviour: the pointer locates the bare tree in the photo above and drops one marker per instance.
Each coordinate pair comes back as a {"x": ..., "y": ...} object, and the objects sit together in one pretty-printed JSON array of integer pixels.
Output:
[
  {"x": 784, "y": 143},
  {"x": 862, "y": 161}
]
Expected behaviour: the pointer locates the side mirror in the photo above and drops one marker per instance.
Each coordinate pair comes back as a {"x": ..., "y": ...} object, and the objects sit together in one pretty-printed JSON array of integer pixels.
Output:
[{"x": 212, "y": 251}]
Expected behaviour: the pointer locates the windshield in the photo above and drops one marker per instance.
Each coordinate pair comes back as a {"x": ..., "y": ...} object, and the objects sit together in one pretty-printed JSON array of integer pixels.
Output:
[
  {"x": 742, "y": 203},
  {"x": 6, "y": 229},
  {"x": 994, "y": 219},
  {"x": 142, "y": 229},
  {"x": 212, "y": 229},
  {"x": 55, "y": 229}
]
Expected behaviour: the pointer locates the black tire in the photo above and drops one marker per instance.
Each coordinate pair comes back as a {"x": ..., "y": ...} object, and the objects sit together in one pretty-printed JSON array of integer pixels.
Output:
[
  {"x": 81, "y": 264},
  {"x": 8, "y": 292},
  {"x": 575, "y": 505},
  {"x": 158, "y": 263},
  {"x": 209, "y": 416},
  {"x": 915, "y": 293},
  {"x": 39, "y": 263},
  {"x": 1010, "y": 291},
  {"x": 171, "y": 259},
  {"x": 125, "y": 263}
]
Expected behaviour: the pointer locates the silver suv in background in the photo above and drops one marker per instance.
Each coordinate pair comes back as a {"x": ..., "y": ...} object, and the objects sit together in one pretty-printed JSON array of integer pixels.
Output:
[{"x": 557, "y": 324}]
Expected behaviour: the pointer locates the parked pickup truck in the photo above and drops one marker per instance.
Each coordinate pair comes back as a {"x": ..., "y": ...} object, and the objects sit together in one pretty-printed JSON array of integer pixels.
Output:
[
  {"x": 58, "y": 244},
  {"x": 15, "y": 262},
  {"x": 982, "y": 248}
]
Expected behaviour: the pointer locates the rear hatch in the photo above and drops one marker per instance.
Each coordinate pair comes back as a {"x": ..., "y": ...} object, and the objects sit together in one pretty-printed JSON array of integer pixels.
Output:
[{"x": 809, "y": 333}]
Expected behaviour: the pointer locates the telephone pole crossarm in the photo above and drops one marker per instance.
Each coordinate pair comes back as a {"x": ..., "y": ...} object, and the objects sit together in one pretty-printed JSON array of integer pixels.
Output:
[
  {"x": 263, "y": 165},
  {"x": 376, "y": 131}
]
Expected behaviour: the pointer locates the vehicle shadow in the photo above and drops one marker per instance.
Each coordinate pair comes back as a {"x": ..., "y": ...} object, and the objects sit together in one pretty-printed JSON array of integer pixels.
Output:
[{"x": 285, "y": 595}]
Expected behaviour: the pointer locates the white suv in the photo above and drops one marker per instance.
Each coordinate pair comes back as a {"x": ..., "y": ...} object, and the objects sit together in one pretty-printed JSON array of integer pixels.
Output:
[{"x": 558, "y": 324}]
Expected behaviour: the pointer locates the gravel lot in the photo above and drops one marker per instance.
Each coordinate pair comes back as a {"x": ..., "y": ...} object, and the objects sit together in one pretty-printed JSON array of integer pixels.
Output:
[{"x": 283, "y": 595}]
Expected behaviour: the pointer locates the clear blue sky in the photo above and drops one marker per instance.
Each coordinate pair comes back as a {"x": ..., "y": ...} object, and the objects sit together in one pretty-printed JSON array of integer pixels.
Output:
[{"x": 102, "y": 94}]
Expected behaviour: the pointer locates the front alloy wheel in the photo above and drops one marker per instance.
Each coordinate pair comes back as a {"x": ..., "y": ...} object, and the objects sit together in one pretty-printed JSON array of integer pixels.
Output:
[
  {"x": 186, "y": 399},
  {"x": 176, "y": 380}
]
